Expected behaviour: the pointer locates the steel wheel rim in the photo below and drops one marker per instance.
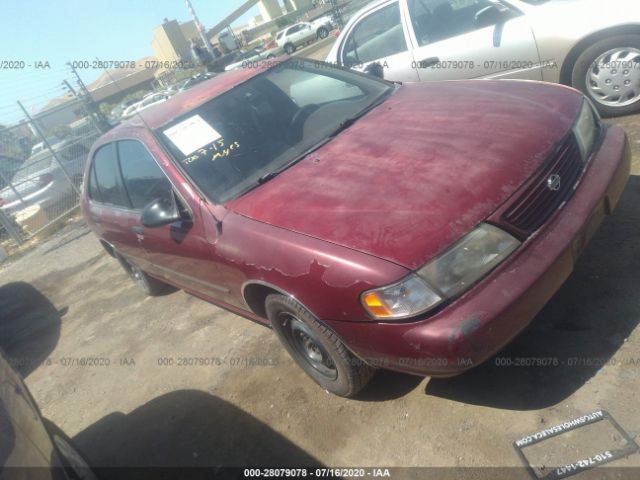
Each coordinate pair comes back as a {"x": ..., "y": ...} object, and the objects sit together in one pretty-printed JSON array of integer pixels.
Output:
[
  {"x": 614, "y": 77},
  {"x": 304, "y": 342}
]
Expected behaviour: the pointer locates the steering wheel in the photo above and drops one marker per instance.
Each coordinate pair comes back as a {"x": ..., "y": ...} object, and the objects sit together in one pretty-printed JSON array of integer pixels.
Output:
[{"x": 296, "y": 125}]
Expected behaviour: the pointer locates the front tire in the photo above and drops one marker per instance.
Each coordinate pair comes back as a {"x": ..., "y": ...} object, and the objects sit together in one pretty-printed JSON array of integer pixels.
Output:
[
  {"x": 144, "y": 282},
  {"x": 316, "y": 349},
  {"x": 608, "y": 72}
]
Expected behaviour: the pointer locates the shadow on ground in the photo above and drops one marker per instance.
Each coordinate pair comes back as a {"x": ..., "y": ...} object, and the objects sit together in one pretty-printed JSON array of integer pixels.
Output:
[
  {"x": 185, "y": 428},
  {"x": 387, "y": 385},
  {"x": 29, "y": 326},
  {"x": 583, "y": 326}
]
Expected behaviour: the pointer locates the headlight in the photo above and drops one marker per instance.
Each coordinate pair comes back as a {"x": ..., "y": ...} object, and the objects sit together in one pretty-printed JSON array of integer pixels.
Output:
[
  {"x": 585, "y": 129},
  {"x": 449, "y": 275}
]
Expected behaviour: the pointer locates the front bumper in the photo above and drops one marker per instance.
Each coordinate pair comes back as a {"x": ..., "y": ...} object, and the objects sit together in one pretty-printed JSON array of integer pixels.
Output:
[{"x": 481, "y": 322}]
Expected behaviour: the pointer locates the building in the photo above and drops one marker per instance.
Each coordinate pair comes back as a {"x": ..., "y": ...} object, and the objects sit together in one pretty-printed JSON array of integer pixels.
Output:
[
  {"x": 170, "y": 43},
  {"x": 114, "y": 85},
  {"x": 190, "y": 31}
]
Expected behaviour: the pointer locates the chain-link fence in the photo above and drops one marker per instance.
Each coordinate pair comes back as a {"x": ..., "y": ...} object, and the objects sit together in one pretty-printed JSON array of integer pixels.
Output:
[{"x": 42, "y": 159}]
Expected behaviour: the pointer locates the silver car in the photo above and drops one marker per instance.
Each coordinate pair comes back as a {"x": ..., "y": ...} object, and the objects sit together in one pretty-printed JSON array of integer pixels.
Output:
[
  {"x": 41, "y": 181},
  {"x": 591, "y": 45},
  {"x": 31, "y": 446}
]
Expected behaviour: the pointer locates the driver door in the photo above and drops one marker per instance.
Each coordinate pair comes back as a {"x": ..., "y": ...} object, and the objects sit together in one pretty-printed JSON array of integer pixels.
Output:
[
  {"x": 181, "y": 251},
  {"x": 460, "y": 39}
]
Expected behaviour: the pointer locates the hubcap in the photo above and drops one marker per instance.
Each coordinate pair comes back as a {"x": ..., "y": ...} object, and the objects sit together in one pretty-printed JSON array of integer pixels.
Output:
[
  {"x": 303, "y": 340},
  {"x": 614, "y": 78}
]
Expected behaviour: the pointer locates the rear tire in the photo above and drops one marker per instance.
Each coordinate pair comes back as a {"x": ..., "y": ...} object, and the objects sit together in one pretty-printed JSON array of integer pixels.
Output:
[
  {"x": 73, "y": 461},
  {"x": 289, "y": 48},
  {"x": 316, "y": 348},
  {"x": 144, "y": 282},
  {"x": 608, "y": 72},
  {"x": 323, "y": 33}
]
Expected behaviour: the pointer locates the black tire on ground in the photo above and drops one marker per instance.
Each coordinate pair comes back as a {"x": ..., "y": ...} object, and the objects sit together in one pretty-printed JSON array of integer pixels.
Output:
[
  {"x": 289, "y": 48},
  {"x": 323, "y": 32},
  {"x": 588, "y": 58},
  {"x": 73, "y": 460},
  {"x": 316, "y": 348},
  {"x": 270, "y": 56},
  {"x": 144, "y": 282}
]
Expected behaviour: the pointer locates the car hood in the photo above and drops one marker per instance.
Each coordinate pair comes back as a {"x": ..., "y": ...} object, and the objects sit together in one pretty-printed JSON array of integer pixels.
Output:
[{"x": 421, "y": 170}]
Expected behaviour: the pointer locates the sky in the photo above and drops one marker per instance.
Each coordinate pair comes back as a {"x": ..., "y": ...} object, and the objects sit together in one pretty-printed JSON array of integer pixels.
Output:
[{"x": 58, "y": 31}]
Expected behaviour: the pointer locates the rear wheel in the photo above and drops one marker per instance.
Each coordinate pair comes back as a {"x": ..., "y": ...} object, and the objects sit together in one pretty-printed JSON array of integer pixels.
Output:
[
  {"x": 73, "y": 462},
  {"x": 316, "y": 349},
  {"x": 144, "y": 282},
  {"x": 323, "y": 32},
  {"x": 289, "y": 48},
  {"x": 608, "y": 72}
]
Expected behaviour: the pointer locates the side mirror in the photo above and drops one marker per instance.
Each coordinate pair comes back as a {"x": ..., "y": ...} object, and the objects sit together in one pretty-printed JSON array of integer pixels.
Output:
[
  {"x": 375, "y": 69},
  {"x": 491, "y": 15},
  {"x": 160, "y": 212}
]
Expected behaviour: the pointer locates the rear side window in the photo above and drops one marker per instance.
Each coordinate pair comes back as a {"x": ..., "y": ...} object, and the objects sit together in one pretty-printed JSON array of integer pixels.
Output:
[
  {"x": 105, "y": 183},
  {"x": 143, "y": 178}
]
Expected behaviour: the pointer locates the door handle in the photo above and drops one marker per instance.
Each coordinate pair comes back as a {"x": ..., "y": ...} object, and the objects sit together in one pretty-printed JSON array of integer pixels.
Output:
[
  {"x": 428, "y": 62},
  {"x": 138, "y": 230}
]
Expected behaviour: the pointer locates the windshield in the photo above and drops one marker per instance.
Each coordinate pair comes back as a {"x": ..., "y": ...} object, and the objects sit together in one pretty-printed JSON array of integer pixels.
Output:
[{"x": 237, "y": 140}]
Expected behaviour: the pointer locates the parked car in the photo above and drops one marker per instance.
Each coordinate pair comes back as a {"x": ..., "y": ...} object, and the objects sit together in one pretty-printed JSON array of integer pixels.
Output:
[
  {"x": 130, "y": 111},
  {"x": 415, "y": 227},
  {"x": 41, "y": 181},
  {"x": 300, "y": 34},
  {"x": 573, "y": 42},
  {"x": 196, "y": 79},
  {"x": 153, "y": 99},
  {"x": 253, "y": 57},
  {"x": 30, "y": 446},
  {"x": 9, "y": 165}
]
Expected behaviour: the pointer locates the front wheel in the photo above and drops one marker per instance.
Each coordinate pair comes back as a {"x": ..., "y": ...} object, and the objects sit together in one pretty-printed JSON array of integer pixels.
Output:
[
  {"x": 316, "y": 349},
  {"x": 608, "y": 72}
]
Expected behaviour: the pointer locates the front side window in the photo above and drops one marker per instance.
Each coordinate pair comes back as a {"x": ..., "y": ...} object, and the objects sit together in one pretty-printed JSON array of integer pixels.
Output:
[
  {"x": 142, "y": 177},
  {"x": 107, "y": 186},
  {"x": 437, "y": 20},
  {"x": 376, "y": 36},
  {"x": 243, "y": 137}
]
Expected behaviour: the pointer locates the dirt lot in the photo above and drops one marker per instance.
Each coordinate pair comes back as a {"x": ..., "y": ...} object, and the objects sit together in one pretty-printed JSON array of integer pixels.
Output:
[{"x": 68, "y": 299}]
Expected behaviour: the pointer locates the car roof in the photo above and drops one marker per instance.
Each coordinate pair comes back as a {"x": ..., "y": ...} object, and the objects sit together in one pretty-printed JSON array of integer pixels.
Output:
[{"x": 187, "y": 100}]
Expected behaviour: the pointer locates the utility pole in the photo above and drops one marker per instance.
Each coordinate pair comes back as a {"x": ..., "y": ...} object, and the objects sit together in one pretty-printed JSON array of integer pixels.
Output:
[
  {"x": 200, "y": 28},
  {"x": 103, "y": 124}
]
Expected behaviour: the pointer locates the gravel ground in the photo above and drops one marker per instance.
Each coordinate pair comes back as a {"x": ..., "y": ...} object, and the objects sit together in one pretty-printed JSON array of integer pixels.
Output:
[{"x": 67, "y": 299}]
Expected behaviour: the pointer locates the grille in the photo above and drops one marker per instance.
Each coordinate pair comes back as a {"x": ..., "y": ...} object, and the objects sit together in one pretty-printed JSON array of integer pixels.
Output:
[{"x": 539, "y": 201}]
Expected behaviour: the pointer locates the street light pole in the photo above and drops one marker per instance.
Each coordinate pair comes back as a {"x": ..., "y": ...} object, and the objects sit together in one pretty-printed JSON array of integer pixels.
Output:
[{"x": 199, "y": 27}]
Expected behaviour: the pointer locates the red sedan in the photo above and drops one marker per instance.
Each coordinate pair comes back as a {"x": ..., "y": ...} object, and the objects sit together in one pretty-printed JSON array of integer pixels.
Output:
[{"x": 371, "y": 224}]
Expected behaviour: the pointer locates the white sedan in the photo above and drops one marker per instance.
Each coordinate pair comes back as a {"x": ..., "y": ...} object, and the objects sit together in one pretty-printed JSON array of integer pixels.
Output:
[{"x": 591, "y": 45}]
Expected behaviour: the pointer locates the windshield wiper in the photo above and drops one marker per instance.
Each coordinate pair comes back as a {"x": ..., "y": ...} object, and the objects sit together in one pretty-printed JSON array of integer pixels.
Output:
[{"x": 346, "y": 123}]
